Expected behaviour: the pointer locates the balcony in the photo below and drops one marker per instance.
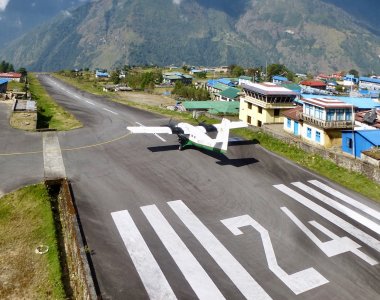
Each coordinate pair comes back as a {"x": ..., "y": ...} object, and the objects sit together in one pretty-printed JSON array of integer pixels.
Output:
[{"x": 327, "y": 124}]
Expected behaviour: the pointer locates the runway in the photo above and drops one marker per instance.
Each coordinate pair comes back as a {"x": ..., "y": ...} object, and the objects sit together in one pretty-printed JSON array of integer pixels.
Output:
[{"x": 167, "y": 224}]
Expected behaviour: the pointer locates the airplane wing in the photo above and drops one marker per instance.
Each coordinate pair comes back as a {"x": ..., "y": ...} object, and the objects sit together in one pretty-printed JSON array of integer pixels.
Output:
[
  {"x": 233, "y": 125},
  {"x": 143, "y": 129}
]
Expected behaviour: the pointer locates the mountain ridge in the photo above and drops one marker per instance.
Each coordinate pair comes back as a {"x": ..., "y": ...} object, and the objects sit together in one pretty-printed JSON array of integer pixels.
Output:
[{"x": 306, "y": 36}]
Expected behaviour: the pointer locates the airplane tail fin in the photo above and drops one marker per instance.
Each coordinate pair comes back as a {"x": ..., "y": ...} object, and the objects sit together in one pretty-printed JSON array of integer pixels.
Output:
[{"x": 223, "y": 135}]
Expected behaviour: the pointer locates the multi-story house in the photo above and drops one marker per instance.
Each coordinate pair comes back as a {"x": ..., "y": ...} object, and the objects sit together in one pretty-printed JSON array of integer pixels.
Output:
[
  {"x": 263, "y": 103},
  {"x": 321, "y": 121}
]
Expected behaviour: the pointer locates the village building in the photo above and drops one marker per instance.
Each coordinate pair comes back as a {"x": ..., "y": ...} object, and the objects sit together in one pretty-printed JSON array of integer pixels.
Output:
[
  {"x": 11, "y": 76},
  {"x": 320, "y": 121},
  {"x": 263, "y": 103}
]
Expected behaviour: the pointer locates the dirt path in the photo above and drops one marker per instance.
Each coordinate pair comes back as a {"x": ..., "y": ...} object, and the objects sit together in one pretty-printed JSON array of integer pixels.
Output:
[{"x": 145, "y": 98}]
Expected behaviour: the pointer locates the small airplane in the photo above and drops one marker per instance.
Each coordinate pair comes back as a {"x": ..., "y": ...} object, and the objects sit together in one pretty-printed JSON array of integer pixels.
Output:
[{"x": 189, "y": 135}]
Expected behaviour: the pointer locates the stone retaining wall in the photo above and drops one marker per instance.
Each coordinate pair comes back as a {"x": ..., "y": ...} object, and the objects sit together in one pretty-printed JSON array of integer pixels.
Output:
[
  {"x": 81, "y": 282},
  {"x": 364, "y": 167}
]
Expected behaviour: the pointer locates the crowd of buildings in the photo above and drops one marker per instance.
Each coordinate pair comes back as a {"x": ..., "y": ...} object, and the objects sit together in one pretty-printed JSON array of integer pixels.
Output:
[{"x": 311, "y": 110}]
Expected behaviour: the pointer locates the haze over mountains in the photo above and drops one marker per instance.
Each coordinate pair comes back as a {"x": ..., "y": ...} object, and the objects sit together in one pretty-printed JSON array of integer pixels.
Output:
[{"x": 305, "y": 35}]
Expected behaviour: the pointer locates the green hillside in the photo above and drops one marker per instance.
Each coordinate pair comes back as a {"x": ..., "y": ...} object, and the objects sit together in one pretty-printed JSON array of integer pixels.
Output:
[{"x": 305, "y": 35}]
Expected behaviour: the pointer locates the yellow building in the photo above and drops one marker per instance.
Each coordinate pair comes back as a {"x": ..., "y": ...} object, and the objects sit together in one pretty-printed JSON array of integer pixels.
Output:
[{"x": 263, "y": 103}]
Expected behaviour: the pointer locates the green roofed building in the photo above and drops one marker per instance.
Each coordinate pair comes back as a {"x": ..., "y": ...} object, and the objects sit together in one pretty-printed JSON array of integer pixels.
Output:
[
  {"x": 213, "y": 107},
  {"x": 230, "y": 94}
]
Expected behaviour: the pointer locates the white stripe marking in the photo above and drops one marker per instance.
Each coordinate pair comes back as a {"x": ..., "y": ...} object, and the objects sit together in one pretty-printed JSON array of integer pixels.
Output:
[
  {"x": 298, "y": 282},
  {"x": 336, "y": 246},
  {"x": 197, "y": 277},
  {"x": 112, "y": 112},
  {"x": 354, "y": 250},
  {"x": 347, "y": 199},
  {"x": 359, "y": 234},
  {"x": 234, "y": 270},
  {"x": 89, "y": 102},
  {"x": 339, "y": 207},
  {"x": 147, "y": 267}
]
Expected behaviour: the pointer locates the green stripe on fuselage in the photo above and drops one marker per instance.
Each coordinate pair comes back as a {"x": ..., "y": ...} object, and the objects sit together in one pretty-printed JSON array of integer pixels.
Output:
[{"x": 189, "y": 143}]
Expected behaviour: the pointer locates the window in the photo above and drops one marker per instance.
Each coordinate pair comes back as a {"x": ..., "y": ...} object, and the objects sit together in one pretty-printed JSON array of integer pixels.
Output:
[
  {"x": 260, "y": 110},
  {"x": 340, "y": 114},
  {"x": 276, "y": 112},
  {"x": 348, "y": 115},
  {"x": 317, "y": 136},
  {"x": 308, "y": 132},
  {"x": 249, "y": 105},
  {"x": 249, "y": 120},
  {"x": 289, "y": 123},
  {"x": 330, "y": 114},
  {"x": 349, "y": 142},
  {"x": 259, "y": 123},
  {"x": 318, "y": 113}
]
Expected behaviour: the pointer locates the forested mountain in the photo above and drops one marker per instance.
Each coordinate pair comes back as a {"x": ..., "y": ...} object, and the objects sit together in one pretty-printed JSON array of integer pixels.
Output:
[
  {"x": 19, "y": 16},
  {"x": 306, "y": 35}
]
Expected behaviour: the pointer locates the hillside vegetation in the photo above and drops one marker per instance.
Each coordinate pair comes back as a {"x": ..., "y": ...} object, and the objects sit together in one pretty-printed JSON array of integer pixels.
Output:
[{"x": 307, "y": 36}]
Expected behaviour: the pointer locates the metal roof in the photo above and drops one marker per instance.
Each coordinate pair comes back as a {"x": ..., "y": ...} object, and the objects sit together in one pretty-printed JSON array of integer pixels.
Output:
[
  {"x": 369, "y": 79},
  {"x": 231, "y": 93},
  {"x": 280, "y": 78},
  {"x": 360, "y": 103},
  {"x": 327, "y": 102},
  {"x": 2, "y": 81},
  {"x": 213, "y": 106},
  {"x": 268, "y": 88}
]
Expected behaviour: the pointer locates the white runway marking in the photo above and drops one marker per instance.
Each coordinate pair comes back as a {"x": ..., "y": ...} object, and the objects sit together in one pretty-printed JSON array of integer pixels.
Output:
[
  {"x": 155, "y": 134},
  {"x": 336, "y": 246},
  {"x": 298, "y": 282},
  {"x": 359, "y": 234},
  {"x": 349, "y": 200},
  {"x": 234, "y": 270},
  {"x": 150, "y": 272},
  {"x": 53, "y": 161},
  {"x": 89, "y": 102},
  {"x": 112, "y": 112},
  {"x": 197, "y": 277},
  {"x": 336, "y": 205}
]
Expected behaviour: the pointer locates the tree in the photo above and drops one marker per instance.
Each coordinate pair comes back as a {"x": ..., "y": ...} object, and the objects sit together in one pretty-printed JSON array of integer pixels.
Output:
[
  {"x": 23, "y": 72},
  {"x": 279, "y": 69},
  {"x": 354, "y": 72},
  {"x": 115, "y": 77},
  {"x": 237, "y": 71}
]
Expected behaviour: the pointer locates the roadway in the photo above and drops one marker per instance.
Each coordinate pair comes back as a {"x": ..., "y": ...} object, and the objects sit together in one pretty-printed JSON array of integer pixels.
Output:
[{"x": 166, "y": 224}]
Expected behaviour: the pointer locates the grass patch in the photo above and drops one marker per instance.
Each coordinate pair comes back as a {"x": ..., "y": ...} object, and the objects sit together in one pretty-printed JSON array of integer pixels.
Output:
[
  {"x": 351, "y": 180},
  {"x": 26, "y": 221},
  {"x": 87, "y": 84},
  {"x": 50, "y": 114},
  {"x": 16, "y": 86}
]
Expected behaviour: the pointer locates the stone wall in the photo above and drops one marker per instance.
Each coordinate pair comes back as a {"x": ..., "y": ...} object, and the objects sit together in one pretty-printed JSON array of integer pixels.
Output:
[
  {"x": 81, "y": 282},
  {"x": 343, "y": 160}
]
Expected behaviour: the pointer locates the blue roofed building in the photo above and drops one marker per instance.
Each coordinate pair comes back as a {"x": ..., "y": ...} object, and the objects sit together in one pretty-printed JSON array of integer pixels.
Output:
[
  {"x": 357, "y": 141},
  {"x": 279, "y": 79},
  {"x": 3, "y": 85},
  {"x": 369, "y": 83},
  {"x": 101, "y": 74}
]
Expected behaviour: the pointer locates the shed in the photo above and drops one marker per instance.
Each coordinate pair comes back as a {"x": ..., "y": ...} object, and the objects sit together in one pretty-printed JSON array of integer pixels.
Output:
[
  {"x": 3, "y": 85},
  {"x": 359, "y": 140}
]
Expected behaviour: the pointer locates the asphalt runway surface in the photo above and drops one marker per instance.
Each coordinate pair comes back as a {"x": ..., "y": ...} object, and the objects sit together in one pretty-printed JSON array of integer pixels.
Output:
[{"x": 167, "y": 224}]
